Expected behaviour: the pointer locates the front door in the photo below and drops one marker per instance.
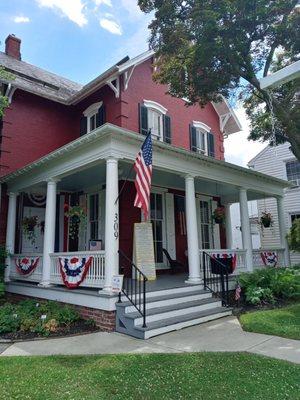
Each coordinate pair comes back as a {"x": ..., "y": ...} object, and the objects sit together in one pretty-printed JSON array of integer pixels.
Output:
[{"x": 157, "y": 213}]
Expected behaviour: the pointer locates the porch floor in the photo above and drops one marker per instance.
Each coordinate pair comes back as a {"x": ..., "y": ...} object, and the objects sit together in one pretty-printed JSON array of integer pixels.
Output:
[{"x": 167, "y": 281}]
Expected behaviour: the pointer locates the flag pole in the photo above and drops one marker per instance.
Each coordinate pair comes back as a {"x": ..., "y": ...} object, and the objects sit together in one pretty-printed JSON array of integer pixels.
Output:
[{"x": 128, "y": 175}]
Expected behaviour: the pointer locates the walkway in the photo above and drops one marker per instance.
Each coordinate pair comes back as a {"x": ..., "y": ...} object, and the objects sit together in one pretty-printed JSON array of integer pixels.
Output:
[{"x": 221, "y": 335}]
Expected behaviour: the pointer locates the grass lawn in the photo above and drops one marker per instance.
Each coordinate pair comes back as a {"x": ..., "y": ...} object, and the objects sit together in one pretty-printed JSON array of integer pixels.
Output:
[
  {"x": 283, "y": 321},
  {"x": 204, "y": 376}
]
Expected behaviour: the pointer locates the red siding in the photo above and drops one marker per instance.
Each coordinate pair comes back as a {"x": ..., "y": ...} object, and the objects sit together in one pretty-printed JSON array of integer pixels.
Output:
[
  {"x": 141, "y": 87},
  {"x": 33, "y": 127}
]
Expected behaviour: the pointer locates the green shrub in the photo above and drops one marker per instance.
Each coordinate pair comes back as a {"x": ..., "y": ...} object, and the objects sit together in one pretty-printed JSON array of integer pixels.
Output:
[
  {"x": 270, "y": 284},
  {"x": 37, "y": 317},
  {"x": 294, "y": 235}
]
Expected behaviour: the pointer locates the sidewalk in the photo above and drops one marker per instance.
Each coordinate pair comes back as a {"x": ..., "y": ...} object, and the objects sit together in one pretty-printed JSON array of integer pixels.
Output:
[{"x": 224, "y": 334}]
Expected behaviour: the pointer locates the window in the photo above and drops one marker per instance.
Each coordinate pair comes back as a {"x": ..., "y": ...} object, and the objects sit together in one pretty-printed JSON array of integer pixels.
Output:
[
  {"x": 93, "y": 117},
  {"x": 294, "y": 217},
  {"x": 94, "y": 216},
  {"x": 293, "y": 172},
  {"x": 201, "y": 139},
  {"x": 157, "y": 219},
  {"x": 153, "y": 116},
  {"x": 155, "y": 120},
  {"x": 205, "y": 224}
]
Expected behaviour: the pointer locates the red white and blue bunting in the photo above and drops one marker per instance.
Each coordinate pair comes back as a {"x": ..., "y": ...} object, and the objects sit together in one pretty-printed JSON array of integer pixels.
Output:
[
  {"x": 219, "y": 256},
  {"x": 26, "y": 265},
  {"x": 37, "y": 199},
  {"x": 269, "y": 258},
  {"x": 74, "y": 270}
]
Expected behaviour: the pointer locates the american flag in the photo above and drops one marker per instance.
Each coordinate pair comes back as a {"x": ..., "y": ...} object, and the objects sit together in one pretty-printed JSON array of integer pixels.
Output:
[
  {"x": 238, "y": 291},
  {"x": 143, "y": 169}
]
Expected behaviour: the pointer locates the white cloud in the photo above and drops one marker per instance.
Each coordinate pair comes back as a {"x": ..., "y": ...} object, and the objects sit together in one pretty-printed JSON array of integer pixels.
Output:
[
  {"x": 239, "y": 150},
  {"x": 132, "y": 9},
  {"x": 20, "y": 19},
  {"x": 73, "y": 9},
  {"x": 111, "y": 26},
  {"x": 105, "y": 2}
]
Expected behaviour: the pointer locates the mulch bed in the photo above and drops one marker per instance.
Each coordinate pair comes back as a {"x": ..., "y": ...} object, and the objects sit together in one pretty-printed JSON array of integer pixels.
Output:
[{"x": 79, "y": 327}]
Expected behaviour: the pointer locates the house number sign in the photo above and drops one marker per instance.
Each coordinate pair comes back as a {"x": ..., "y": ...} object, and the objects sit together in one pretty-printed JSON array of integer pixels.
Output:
[{"x": 116, "y": 226}]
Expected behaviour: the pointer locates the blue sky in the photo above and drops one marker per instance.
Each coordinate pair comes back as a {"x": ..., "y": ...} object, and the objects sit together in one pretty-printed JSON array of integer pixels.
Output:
[
  {"x": 75, "y": 38},
  {"x": 79, "y": 39}
]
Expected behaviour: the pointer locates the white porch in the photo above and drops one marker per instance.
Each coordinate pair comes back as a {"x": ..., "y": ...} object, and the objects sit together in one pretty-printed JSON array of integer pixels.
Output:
[{"x": 100, "y": 160}]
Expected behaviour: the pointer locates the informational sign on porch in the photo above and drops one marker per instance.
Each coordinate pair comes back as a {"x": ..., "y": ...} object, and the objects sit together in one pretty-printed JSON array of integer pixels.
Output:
[
  {"x": 143, "y": 249},
  {"x": 117, "y": 283}
]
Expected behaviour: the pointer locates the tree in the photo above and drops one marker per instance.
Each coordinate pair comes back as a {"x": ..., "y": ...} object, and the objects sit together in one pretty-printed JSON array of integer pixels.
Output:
[
  {"x": 208, "y": 48},
  {"x": 6, "y": 77},
  {"x": 294, "y": 235}
]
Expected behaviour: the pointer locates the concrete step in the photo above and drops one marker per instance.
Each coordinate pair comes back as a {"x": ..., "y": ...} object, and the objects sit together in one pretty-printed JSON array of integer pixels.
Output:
[
  {"x": 175, "y": 323},
  {"x": 163, "y": 299},
  {"x": 176, "y": 310}
]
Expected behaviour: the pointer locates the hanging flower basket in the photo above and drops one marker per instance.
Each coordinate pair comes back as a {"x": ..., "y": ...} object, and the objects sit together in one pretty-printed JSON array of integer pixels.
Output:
[
  {"x": 219, "y": 215},
  {"x": 266, "y": 220},
  {"x": 77, "y": 217},
  {"x": 28, "y": 225}
]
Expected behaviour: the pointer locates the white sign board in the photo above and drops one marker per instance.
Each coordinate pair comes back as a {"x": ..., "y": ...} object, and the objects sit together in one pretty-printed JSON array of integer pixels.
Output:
[
  {"x": 117, "y": 283},
  {"x": 143, "y": 249}
]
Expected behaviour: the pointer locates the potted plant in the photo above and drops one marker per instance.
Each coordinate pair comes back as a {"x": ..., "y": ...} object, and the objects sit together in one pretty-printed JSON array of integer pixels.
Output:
[
  {"x": 77, "y": 217},
  {"x": 219, "y": 215},
  {"x": 28, "y": 225},
  {"x": 266, "y": 220}
]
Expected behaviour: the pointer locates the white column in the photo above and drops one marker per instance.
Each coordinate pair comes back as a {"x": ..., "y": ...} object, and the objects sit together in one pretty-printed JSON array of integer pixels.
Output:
[
  {"x": 111, "y": 222},
  {"x": 10, "y": 230},
  {"x": 228, "y": 227},
  {"x": 49, "y": 233},
  {"x": 282, "y": 230},
  {"x": 245, "y": 227},
  {"x": 192, "y": 231}
]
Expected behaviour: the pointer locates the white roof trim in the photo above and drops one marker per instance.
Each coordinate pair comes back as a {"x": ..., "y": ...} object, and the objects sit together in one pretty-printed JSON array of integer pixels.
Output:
[
  {"x": 227, "y": 118},
  {"x": 282, "y": 76},
  {"x": 201, "y": 125},
  {"x": 92, "y": 109},
  {"x": 155, "y": 106}
]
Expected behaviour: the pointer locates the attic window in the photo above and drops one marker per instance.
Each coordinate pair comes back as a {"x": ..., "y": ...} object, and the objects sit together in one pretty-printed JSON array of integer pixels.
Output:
[{"x": 91, "y": 115}]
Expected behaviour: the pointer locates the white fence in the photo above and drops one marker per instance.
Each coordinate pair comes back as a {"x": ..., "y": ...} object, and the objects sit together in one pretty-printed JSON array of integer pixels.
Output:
[
  {"x": 258, "y": 257},
  {"x": 16, "y": 259},
  {"x": 240, "y": 257},
  {"x": 96, "y": 274}
]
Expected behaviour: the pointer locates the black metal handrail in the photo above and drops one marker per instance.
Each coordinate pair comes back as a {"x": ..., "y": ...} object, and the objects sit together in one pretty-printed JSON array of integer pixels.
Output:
[
  {"x": 134, "y": 288},
  {"x": 215, "y": 277}
]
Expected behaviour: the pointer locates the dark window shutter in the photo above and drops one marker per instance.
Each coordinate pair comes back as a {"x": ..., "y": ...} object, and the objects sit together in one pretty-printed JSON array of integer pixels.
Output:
[
  {"x": 211, "y": 144},
  {"x": 167, "y": 129},
  {"x": 143, "y": 119},
  {"x": 193, "y": 139},
  {"x": 83, "y": 125},
  {"x": 100, "y": 117}
]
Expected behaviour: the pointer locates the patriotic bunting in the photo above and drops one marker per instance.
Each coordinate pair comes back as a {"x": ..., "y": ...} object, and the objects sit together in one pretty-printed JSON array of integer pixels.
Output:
[
  {"x": 269, "y": 258},
  {"x": 219, "y": 256},
  {"x": 73, "y": 270},
  {"x": 26, "y": 265}
]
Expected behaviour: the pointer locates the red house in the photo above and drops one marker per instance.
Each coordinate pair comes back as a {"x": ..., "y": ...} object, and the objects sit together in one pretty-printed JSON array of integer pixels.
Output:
[{"x": 66, "y": 151}]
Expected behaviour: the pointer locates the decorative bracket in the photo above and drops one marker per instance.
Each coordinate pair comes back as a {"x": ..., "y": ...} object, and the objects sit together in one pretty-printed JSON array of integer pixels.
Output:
[
  {"x": 114, "y": 84},
  {"x": 9, "y": 92},
  {"x": 223, "y": 121},
  {"x": 127, "y": 76}
]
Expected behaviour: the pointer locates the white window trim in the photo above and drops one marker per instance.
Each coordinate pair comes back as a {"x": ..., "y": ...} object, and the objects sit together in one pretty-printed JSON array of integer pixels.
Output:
[
  {"x": 206, "y": 129},
  {"x": 155, "y": 106},
  {"x": 92, "y": 109},
  {"x": 202, "y": 125},
  {"x": 90, "y": 112}
]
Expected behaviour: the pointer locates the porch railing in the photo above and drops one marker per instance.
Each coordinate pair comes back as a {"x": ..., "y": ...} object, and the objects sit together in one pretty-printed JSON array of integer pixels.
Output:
[
  {"x": 258, "y": 256},
  {"x": 134, "y": 286},
  {"x": 95, "y": 277},
  {"x": 215, "y": 277},
  {"x": 35, "y": 276},
  {"x": 240, "y": 257}
]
